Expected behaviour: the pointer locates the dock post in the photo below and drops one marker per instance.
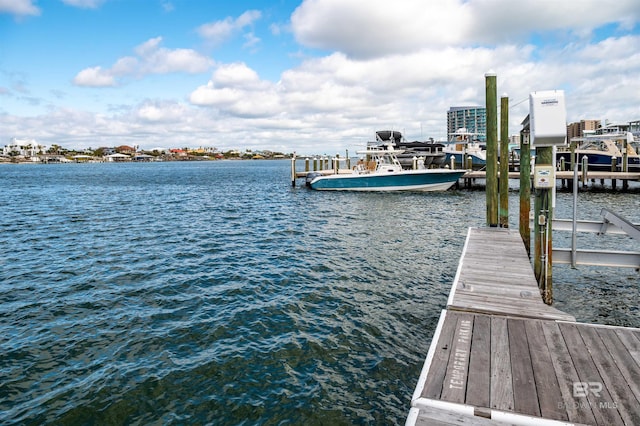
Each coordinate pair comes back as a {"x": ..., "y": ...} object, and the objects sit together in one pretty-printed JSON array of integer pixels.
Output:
[
  {"x": 614, "y": 168},
  {"x": 293, "y": 170},
  {"x": 625, "y": 156},
  {"x": 504, "y": 162},
  {"x": 315, "y": 164},
  {"x": 453, "y": 162},
  {"x": 585, "y": 171},
  {"x": 348, "y": 160},
  {"x": 525, "y": 190},
  {"x": 491, "y": 100},
  {"x": 543, "y": 235}
]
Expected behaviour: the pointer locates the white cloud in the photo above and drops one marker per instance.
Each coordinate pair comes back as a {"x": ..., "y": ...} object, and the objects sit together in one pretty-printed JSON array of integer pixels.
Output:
[
  {"x": 220, "y": 31},
  {"x": 157, "y": 60},
  {"x": 151, "y": 59},
  {"x": 94, "y": 77},
  {"x": 236, "y": 89},
  {"x": 162, "y": 111},
  {"x": 84, "y": 4},
  {"x": 399, "y": 66},
  {"x": 238, "y": 75},
  {"x": 19, "y": 7},
  {"x": 376, "y": 28},
  {"x": 167, "y": 6}
]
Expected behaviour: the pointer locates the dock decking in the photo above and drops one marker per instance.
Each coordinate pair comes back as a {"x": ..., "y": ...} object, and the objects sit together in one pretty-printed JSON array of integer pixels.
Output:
[{"x": 501, "y": 356}]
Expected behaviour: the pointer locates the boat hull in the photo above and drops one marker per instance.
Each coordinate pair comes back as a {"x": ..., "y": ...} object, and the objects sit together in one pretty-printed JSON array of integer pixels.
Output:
[
  {"x": 459, "y": 159},
  {"x": 600, "y": 161},
  {"x": 409, "y": 180}
]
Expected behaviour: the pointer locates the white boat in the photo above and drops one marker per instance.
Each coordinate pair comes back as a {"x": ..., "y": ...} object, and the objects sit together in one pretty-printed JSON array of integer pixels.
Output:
[
  {"x": 601, "y": 149},
  {"x": 463, "y": 144},
  {"x": 380, "y": 170}
]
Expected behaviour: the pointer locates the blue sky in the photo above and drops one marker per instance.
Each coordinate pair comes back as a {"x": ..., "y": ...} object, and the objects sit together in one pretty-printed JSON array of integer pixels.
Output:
[{"x": 313, "y": 76}]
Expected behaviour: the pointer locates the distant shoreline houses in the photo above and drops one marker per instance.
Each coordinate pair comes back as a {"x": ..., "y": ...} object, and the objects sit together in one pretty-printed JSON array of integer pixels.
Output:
[{"x": 29, "y": 151}]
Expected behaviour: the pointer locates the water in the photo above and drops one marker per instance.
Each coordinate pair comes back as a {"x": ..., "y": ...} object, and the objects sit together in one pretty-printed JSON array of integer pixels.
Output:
[{"x": 214, "y": 293}]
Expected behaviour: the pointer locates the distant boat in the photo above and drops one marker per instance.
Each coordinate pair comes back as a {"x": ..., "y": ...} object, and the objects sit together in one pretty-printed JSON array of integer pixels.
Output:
[
  {"x": 601, "y": 149},
  {"x": 426, "y": 154},
  {"x": 380, "y": 170},
  {"x": 463, "y": 144}
]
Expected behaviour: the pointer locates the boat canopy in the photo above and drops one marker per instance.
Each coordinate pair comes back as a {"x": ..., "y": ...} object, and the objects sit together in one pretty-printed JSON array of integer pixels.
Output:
[{"x": 389, "y": 135}]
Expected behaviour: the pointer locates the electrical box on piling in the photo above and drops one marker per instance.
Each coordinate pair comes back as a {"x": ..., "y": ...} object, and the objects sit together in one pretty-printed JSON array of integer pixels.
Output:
[
  {"x": 544, "y": 177},
  {"x": 548, "y": 118}
]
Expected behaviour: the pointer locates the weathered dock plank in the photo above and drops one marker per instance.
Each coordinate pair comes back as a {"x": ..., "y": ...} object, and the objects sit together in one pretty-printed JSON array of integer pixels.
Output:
[
  {"x": 525, "y": 396},
  {"x": 479, "y": 382},
  {"x": 549, "y": 392},
  {"x": 494, "y": 276},
  {"x": 590, "y": 384},
  {"x": 577, "y": 409},
  {"x": 501, "y": 356},
  {"x": 501, "y": 390}
]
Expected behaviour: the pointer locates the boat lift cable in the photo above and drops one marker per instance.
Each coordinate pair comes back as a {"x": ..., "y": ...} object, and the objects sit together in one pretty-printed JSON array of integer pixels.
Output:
[{"x": 518, "y": 103}]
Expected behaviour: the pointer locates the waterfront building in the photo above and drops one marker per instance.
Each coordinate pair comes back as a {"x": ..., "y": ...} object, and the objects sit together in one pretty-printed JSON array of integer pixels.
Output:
[
  {"x": 612, "y": 128},
  {"x": 472, "y": 118},
  {"x": 634, "y": 127},
  {"x": 22, "y": 147},
  {"x": 582, "y": 127}
]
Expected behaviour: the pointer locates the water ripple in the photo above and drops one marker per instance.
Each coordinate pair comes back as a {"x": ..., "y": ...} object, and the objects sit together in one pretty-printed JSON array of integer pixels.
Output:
[{"x": 213, "y": 293}]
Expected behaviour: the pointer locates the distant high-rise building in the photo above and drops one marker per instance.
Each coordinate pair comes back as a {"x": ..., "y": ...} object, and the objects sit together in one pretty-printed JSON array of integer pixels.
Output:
[
  {"x": 578, "y": 129},
  {"x": 472, "y": 118}
]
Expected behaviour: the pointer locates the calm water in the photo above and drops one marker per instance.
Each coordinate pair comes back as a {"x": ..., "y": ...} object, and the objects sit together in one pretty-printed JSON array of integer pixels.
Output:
[{"x": 214, "y": 293}]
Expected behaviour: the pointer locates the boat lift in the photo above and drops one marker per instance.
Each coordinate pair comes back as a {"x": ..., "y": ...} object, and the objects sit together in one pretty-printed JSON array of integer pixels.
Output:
[{"x": 611, "y": 223}]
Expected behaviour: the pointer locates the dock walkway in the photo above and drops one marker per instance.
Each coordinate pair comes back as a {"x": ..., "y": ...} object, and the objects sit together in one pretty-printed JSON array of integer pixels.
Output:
[{"x": 501, "y": 356}]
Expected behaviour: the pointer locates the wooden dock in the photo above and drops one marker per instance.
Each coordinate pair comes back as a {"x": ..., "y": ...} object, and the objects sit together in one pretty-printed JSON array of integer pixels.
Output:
[
  {"x": 501, "y": 356},
  {"x": 567, "y": 175}
]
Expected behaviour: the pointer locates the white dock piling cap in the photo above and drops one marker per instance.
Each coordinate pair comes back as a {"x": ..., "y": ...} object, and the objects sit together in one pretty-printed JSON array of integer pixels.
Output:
[{"x": 490, "y": 73}]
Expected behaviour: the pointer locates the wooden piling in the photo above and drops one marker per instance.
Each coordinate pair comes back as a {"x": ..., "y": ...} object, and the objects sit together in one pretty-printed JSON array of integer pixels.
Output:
[
  {"x": 614, "y": 168},
  {"x": 293, "y": 171},
  {"x": 543, "y": 234},
  {"x": 492, "y": 148},
  {"x": 504, "y": 162},
  {"x": 525, "y": 190}
]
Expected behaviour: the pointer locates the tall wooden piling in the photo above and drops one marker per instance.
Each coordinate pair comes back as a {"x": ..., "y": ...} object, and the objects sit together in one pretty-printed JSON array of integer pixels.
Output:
[
  {"x": 492, "y": 149},
  {"x": 293, "y": 170},
  {"x": 504, "y": 162},
  {"x": 525, "y": 189},
  {"x": 543, "y": 208},
  {"x": 624, "y": 167}
]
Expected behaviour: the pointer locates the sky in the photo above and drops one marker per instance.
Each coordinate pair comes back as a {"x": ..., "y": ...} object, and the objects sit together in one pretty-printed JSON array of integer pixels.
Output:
[{"x": 310, "y": 76}]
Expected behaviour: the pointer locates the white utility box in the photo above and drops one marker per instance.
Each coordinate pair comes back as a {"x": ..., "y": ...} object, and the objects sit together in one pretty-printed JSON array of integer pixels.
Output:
[
  {"x": 548, "y": 118},
  {"x": 544, "y": 177}
]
